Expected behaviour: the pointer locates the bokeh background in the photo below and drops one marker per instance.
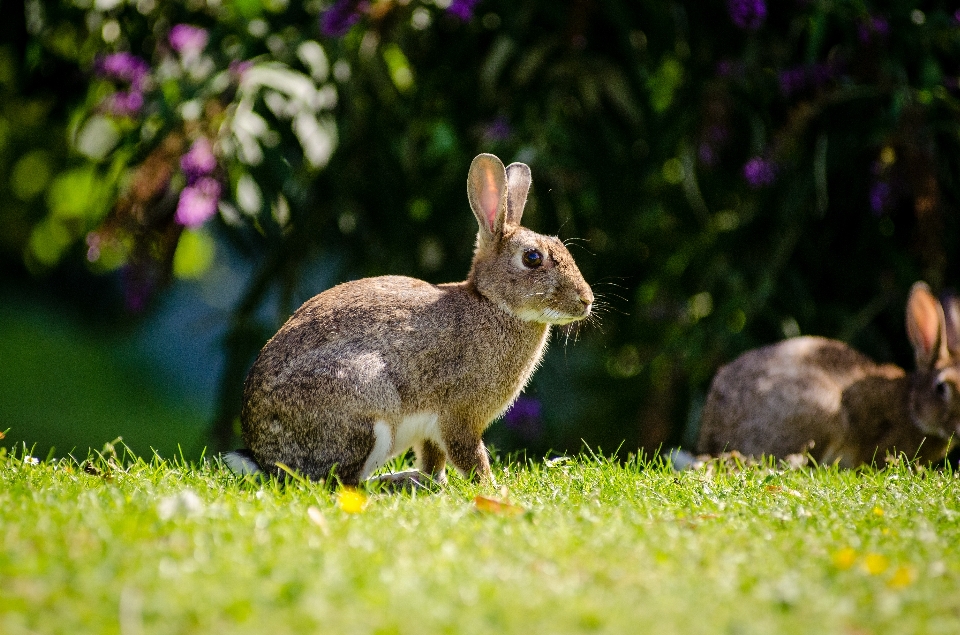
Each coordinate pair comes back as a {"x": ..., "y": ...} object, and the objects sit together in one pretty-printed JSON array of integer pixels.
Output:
[{"x": 177, "y": 177}]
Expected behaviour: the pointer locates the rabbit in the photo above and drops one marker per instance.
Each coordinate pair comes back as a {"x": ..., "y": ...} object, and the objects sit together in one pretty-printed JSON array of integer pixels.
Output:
[
  {"x": 816, "y": 395},
  {"x": 367, "y": 369}
]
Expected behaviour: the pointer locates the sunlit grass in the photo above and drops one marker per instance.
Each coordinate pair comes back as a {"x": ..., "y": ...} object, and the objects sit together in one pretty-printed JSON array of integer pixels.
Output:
[{"x": 575, "y": 545}]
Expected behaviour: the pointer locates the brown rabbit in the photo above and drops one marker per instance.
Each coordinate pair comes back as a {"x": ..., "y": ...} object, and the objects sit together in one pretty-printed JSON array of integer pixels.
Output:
[
  {"x": 370, "y": 368},
  {"x": 811, "y": 394}
]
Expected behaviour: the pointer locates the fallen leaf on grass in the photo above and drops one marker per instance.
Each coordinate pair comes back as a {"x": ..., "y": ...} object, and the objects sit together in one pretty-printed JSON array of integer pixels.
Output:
[
  {"x": 351, "y": 500},
  {"x": 494, "y": 506}
]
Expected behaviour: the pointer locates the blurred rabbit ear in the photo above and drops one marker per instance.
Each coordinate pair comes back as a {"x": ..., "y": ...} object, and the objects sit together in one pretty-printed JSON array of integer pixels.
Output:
[
  {"x": 951, "y": 312},
  {"x": 925, "y": 326},
  {"x": 518, "y": 186},
  {"x": 486, "y": 189}
]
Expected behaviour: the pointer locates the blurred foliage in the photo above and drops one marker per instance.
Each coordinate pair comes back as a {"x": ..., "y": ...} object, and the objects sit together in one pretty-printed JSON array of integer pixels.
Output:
[
  {"x": 737, "y": 172},
  {"x": 60, "y": 383}
]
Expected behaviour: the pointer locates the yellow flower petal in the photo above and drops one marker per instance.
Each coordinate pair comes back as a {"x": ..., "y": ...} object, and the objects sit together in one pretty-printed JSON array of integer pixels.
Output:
[
  {"x": 875, "y": 563},
  {"x": 844, "y": 558},
  {"x": 877, "y": 511},
  {"x": 351, "y": 501},
  {"x": 903, "y": 576}
]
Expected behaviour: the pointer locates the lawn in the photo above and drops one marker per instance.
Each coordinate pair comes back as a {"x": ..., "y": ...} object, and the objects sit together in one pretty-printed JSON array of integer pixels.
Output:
[{"x": 585, "y": 545}]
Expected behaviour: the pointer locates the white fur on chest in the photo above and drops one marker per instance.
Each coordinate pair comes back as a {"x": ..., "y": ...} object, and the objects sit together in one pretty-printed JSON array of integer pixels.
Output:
[
  {"x": 388, "y": 442},
  {"x": 415, "y": 428}
]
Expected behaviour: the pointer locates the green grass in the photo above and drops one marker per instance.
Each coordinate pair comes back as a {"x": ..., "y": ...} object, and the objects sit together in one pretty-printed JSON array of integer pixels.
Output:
[{"x": 164, "y": 547}]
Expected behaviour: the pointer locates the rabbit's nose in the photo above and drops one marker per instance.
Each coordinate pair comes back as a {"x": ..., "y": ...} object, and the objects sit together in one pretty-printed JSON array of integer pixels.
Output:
[{"x": 586, "y": 301}]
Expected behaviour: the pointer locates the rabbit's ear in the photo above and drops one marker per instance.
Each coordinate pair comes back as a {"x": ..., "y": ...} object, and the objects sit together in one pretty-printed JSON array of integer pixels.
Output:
[
  {"x": 925, "y": 326},
  {"x": 951, "y": 311},
  {"x": 518, "y": 186},
  {"x": 486, "y": 189}
]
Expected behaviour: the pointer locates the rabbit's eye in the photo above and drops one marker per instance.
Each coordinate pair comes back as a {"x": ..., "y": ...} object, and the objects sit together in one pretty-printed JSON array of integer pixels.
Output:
[
  {"x": 943, "y": 390},
  {"x": 532, "y": 259}
]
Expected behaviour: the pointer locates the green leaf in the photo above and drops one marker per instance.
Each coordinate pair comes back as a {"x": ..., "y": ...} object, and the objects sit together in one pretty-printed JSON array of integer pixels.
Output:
[
  {"x": 399, "y": 68},
  {"x": 72, "y": 193},
  {"x": 30, "y": 174},
  {"x": 664, "y": 83},
  {"x": 194, "y": 254},
  {"x": 48, "y": 241}
]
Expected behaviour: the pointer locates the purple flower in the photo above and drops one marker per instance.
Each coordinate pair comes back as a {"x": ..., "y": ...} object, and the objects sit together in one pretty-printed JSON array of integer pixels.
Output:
[
  {"x": 94, "y": 243},
  {"x": 880, "y": 26},
  {"x": 497, "y": 130},
  {"x": 125, "y": 67},
  {"x": 873, "y": 26},
  {"x": 199, "y": 161},
  {"x": 747, "y": 14},
  {"x": 137, "y": 287},
  {"x": 956, "y": 16},
  {"x": 124, "y": 104},
  {"x": 799, "y": 78},
  {"x": 524, "y": 417},
  {"x": 463, "y": 9},
  {"x": 759, "y": 172},
  {"x": 822, "y": 73},
  {"x": 198, "y": 202},
  {"x": 188, "y": 40},
  {"x": 707, "y": 153},
  {"x": 792, "y": 80},
  {"x": 717, "y": 133},
  {"x": 730, "y": 68},
  {"x": 239, "y": 67},
  {"x": 711, "y": 141},
  {"x": 879, "y": 196},
  {"x": 337, "y": 20}
]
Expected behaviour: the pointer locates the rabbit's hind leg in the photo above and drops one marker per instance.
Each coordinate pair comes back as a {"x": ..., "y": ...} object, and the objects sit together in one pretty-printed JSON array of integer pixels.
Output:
[
  {"x": 468, "y": 454},
  {"x": 431, "y": 461},
  {"x": 330, "y": 449}
]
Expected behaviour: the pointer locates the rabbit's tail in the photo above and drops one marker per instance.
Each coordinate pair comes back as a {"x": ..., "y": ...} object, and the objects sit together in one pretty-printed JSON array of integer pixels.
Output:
[
  {"x": 683, "y": 460},
  {"x": 241, "y": 462}
]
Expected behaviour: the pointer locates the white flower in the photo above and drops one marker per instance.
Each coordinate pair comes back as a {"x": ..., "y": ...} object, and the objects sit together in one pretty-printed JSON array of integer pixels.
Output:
[{"x": 186, "y": 503}]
